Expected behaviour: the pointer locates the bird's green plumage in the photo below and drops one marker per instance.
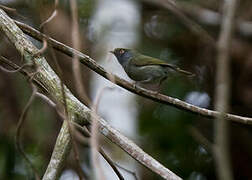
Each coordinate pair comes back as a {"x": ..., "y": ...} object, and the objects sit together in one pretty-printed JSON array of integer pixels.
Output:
[
  {"x": 142, "y": 60},
  {"x": 144, "y": 68}
]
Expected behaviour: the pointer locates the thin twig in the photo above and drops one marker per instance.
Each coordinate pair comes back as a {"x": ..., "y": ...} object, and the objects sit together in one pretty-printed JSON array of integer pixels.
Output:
[
  {"x": 222, "y": 92},
  {"x": 46, "y": 99},
  {"x": 111, "y": 163},
  {"x": 53, "y": 15},
  {"x": 16, "y": 70},
  {"x": 201, "y": 139},
  {"x": 89, "y": 62},
  {"x": 18, "y": 131},
  {"x": 43, "y": 49},
  {"x": 75, "y": 62},
  {"x": 86, "y": 133},
  {"x": 8, "y": 9},
  {"x": 22, "y": 71},
  {"x": 94, "y": 135},
  {"x": 128, "y": 171},
  {"x": 11, "y": 10}
]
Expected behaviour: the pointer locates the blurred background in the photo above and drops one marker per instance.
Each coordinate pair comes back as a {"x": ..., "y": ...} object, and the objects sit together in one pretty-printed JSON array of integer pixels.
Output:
[{"x": 177, "y": 139}]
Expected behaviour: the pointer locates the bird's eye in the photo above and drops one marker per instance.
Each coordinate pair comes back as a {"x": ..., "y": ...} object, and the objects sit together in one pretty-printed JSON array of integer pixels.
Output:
[{"x": 121, "y": 51}]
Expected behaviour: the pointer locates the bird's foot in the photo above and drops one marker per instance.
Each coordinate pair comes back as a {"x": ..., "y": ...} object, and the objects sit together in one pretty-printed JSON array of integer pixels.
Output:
[{"x": 135, "y": 84}]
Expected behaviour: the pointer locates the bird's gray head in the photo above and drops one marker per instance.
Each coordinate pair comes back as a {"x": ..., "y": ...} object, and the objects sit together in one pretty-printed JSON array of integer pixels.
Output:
[{"x": 123, "y": 55}]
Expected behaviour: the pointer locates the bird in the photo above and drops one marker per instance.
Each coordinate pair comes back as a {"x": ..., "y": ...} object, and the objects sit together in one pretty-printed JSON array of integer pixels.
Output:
[{"x": 145, "y": 69}]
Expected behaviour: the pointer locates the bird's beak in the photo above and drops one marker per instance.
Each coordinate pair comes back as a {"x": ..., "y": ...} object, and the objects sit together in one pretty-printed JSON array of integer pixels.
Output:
[{"x": 112, "y": 52}]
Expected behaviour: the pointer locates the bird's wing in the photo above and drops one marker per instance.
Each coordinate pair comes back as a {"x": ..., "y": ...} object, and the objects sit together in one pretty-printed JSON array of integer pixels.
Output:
[{"x": 142, "y": 60}]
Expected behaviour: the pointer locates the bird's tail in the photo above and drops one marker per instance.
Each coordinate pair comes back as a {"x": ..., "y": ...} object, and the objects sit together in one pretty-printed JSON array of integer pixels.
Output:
[
  {"x": 184, "y": 72},
  {"x": 177, "y": 69}
]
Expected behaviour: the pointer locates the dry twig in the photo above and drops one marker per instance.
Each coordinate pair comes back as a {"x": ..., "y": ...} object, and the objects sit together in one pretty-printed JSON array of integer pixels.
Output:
[
  {"x": 94, "y": 134},
  {"x": 129, "y": 171},
  {"x": 75, "y": 62},
  {"x": 18, "y": 131},
  {"x": 53, "y": 15},
  {"x": 15, "y": 70}
]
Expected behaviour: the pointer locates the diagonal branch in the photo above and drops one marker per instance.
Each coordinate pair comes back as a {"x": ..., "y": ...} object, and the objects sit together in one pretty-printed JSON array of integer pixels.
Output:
[
  {"x": 89, "y": 62},
  {"x": 78, "y": 111}
]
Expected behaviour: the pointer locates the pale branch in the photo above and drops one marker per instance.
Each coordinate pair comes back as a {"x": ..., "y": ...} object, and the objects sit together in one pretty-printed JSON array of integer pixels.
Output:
[
  {"x": 89, "y": 62},
  {"x": 60, "y": 153},
  {"x": 79, "y": 112},
  {"x": 222, "y": 92}
]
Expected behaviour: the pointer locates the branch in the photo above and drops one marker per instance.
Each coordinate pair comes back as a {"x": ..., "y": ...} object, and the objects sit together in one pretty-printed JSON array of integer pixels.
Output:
[
  {"x": 81, "y": 114},
  {"x": 60, "y": 152},
  {"x": 87, "y": 134},
  {"x": 89, "y": 62},
  {"x": 222, "y": 92}
]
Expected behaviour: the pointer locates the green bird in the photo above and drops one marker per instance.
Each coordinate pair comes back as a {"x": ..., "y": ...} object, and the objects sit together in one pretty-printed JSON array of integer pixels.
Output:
[{"x": 145, "y": 69}]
